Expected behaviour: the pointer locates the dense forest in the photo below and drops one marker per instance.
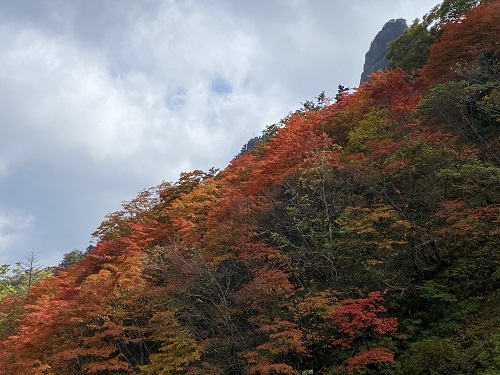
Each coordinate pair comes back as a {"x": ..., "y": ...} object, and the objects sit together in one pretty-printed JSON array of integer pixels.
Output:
[{"x": 359, "y": 235}]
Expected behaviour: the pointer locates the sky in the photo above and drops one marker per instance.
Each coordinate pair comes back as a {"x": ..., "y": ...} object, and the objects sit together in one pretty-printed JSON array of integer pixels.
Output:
[{"x": 100, "y": 99}]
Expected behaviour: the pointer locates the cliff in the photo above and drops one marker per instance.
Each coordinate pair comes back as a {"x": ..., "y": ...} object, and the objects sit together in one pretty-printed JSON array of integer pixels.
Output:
[{"x": 375, "y": 57}]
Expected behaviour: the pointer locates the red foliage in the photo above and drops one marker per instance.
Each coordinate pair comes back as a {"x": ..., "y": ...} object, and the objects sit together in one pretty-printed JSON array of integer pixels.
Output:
[
  {"x": 74, "y": 316},
  {"x": 463, "y": 42},
  {"x": 356, "y": 319},
  {"x": 369, "y": 357},
  {"x": 287, "y": 151},
  {"x": 394, "y": 90},
  {"x": 357, "y": 316},
  {"x": 461, "y": 220},
  {"x": 86, "y": 314}
]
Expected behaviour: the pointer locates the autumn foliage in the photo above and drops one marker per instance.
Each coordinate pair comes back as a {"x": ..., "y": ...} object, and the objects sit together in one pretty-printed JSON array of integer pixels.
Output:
[
  {"x": 359, "y": 231},
  {"x": 463, "y": 42}
]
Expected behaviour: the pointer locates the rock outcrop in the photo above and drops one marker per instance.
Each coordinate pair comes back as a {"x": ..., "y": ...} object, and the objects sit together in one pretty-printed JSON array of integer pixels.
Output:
[{"x": 375, "y": 57}]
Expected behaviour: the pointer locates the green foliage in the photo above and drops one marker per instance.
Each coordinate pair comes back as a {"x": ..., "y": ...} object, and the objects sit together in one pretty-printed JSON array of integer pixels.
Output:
[
  {"x": 489, "y": 105},
  {"x": 472, "y": 181},
  {"x": 73, "y": 257},
  {"x": 411, "y": 50},
  {"x": 23, "y": 276},
  {"x": 433, "y": 291},
  {"x": 448, "y": 11},
  {"x": 269, "y": 132},
  {"x": 375, "y": 125},
  {"x": 432, "y": 356},
  {"x": 6, "y": 286},
  {"x": 480, "y": 339},
  {"x": 466, "y": 109}
]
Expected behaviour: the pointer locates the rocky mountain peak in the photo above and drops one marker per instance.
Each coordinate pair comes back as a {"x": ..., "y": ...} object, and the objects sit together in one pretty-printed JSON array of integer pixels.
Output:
[{"x": 375, "y": 57}]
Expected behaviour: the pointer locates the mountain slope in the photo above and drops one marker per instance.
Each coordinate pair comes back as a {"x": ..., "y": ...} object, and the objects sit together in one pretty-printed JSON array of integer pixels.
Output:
[{"x": 358, "y": 237}]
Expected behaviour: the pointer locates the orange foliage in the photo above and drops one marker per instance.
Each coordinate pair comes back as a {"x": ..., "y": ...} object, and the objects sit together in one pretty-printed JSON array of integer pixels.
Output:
[
  {"x": 369, "y": 357},
  {"x": 74, "y": 318},
  {"x": 265, "y": 288},
  {"x": 463, "y": 42},
  {"x": 286, "y": 152},
  {"x": 394, "y": 90},
  {"x": 284, "y": 336}
]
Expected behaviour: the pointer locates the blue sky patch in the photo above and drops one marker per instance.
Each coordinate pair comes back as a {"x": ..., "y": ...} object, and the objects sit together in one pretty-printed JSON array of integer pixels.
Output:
[{"x": 221, "y": 86}]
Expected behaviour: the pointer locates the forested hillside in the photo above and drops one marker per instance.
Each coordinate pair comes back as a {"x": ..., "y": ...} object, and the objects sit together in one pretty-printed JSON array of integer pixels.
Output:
[{"x": 359, "y": 236}]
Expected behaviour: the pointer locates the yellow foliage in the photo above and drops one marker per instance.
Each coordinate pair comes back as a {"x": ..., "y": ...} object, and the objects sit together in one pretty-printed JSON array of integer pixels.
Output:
[{"x": 177, "y": 348}]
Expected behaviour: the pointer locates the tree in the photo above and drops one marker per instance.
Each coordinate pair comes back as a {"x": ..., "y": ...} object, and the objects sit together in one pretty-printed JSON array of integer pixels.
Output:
[
  {"x": 177, "y": 348},
  {"x": 340, "y": 91},
  {"x": 448, "y": 11},
  {"x": 33, "y": 271},
  {"x": 411, "y": 50},
  {"x": 464, "y": 41},
  {"x": 20, "y": 279},
  {"x": 73, "y": 257},
  {"x": 278, "y": 263},
  {"x": 468, "y": 107},
  {"x": 359, "y": 319},
  {"x": 433, "y": 356}
]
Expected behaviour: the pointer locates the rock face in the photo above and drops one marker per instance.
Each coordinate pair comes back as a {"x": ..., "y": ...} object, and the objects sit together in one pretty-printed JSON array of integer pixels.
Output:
[{"x": 375, "y": 57}]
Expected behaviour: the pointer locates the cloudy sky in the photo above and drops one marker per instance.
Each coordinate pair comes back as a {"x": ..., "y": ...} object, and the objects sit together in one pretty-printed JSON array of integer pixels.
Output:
[{"x": 100, "y": 99}]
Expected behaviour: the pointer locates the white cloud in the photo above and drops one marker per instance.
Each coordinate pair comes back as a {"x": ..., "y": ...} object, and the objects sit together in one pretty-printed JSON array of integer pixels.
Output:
[
  {"x": 102, "y": 99},
  {"x": 63, "y": 98}
]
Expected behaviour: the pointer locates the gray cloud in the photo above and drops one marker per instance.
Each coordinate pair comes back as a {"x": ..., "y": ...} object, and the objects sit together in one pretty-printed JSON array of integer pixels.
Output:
[{"x": 100, "y": 99}]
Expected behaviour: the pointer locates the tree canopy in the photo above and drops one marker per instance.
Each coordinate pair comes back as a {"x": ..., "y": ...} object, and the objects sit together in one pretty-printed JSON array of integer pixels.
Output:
[{"x": 358, "y": 236}]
